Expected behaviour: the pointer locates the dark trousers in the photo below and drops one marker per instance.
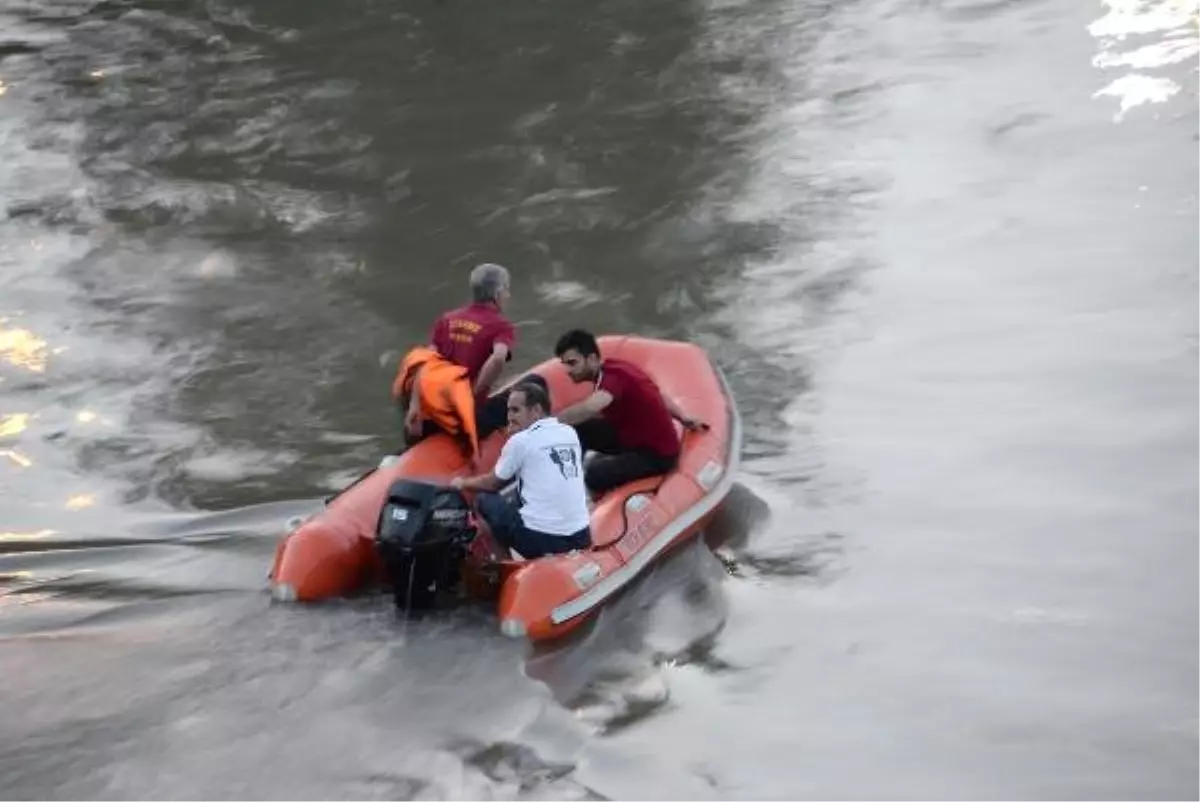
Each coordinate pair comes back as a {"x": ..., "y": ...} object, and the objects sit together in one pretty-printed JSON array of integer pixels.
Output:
[
  {"x": 492, "y": 415},
  {"x": 510, "y": 531},
  {"x": 612, "y": 466}
]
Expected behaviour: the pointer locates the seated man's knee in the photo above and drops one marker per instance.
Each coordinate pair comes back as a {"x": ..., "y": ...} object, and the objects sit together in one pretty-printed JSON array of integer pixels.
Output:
[
  {"x": 600, "y": 474},
  {"x": 609, "y": 471},
  {"x": 500, "y": 515},
  {"x": 491, "y": 509}
]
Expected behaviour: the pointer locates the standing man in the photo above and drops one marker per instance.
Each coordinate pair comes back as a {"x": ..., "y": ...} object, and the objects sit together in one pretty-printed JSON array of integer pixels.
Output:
[
  {"x": 481, "y": 338},
  {"x": 546, "y": 459},
  {"x": 478, "y": 336}
]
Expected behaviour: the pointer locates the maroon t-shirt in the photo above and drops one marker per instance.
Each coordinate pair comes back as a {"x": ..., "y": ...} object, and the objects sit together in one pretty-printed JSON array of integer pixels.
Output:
[
  {"x": 637, "y": 411},
  {"x": 467, "y": 335}
]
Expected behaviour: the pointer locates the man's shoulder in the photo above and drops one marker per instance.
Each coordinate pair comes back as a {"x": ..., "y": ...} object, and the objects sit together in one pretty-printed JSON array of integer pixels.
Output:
[
  {"x": 554, "y": 428},
  {"x": 618, "y": 371},
  {"x": 622, "y": 366},
  {"x": 516, "y": 440},
  {"x": 477, "y": 311},
  {"x": 458, "y": 311},
  {"x": 514, "y": 448},
  {"x": 487, "y": 317},
  {"x": 495, "y": 320}
]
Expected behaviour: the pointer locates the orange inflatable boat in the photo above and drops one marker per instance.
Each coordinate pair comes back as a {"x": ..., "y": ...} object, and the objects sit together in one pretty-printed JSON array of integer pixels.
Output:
[{"x": 340, "y": 549}]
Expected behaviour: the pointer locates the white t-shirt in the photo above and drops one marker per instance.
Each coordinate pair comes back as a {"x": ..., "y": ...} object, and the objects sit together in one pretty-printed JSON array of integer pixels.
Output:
[{"x": 547, "y": 460}]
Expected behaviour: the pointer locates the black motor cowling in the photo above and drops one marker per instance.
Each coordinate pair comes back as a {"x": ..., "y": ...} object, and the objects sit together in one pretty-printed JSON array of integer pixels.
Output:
[{"x": 423, "y": 534}]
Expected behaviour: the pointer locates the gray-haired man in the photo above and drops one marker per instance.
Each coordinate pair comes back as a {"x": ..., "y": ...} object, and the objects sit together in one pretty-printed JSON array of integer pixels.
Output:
[{"x": 480, "y": 338}]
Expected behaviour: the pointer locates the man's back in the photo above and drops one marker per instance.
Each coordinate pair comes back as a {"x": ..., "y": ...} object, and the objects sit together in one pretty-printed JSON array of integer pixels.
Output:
[
  {"x": 547, "y": 461},
  {"x": 637, "y": 412},
  {"x": 468, "y": 334}
]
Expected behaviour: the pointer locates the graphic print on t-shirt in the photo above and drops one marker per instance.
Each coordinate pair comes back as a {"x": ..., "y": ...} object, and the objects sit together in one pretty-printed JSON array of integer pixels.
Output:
[{"x": 565, "y": 458}]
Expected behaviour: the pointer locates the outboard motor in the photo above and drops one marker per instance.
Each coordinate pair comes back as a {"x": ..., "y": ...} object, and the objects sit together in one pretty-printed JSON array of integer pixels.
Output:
[{"x": 423, "y": 534}]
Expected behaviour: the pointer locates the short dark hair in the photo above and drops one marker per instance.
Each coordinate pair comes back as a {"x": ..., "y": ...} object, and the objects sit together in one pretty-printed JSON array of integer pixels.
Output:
[
  {"x": 535, "y": 395},
  {"x": 577, "y": 340}
]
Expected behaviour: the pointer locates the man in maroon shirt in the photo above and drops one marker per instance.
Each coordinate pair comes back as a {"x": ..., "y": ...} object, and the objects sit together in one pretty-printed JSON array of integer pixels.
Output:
[
  {"x": 480, "y": 338},
  {"x": 627, "y": 419}
]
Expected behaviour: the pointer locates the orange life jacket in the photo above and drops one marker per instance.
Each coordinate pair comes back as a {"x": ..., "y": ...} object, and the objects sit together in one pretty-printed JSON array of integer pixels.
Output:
[{"x": 444, "y": 394}]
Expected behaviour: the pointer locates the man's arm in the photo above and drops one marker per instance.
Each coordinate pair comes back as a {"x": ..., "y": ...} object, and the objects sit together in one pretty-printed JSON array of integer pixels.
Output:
[
  {"x": 491, "y": 369},
  {"x": 509, "y": 461},
  {"x": 588, "y": 408},
  {"x": 678, "y": 414},
  {"x": 487, "y": 482}
]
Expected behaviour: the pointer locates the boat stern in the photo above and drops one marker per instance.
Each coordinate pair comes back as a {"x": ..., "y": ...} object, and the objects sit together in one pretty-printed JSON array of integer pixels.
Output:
[{"x": 536, "y": 598}]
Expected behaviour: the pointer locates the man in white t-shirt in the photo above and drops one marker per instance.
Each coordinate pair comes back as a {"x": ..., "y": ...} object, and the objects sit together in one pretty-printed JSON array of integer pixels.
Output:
[{"x": 545, "y": 458}]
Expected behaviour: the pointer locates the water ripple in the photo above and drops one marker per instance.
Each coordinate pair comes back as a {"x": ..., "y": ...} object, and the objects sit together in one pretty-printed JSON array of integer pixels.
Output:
[{"x": 1144, "y": 36}]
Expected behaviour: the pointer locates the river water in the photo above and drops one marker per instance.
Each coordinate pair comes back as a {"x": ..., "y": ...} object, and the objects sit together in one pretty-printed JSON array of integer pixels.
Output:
[{"x": 946, "y": 251}]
